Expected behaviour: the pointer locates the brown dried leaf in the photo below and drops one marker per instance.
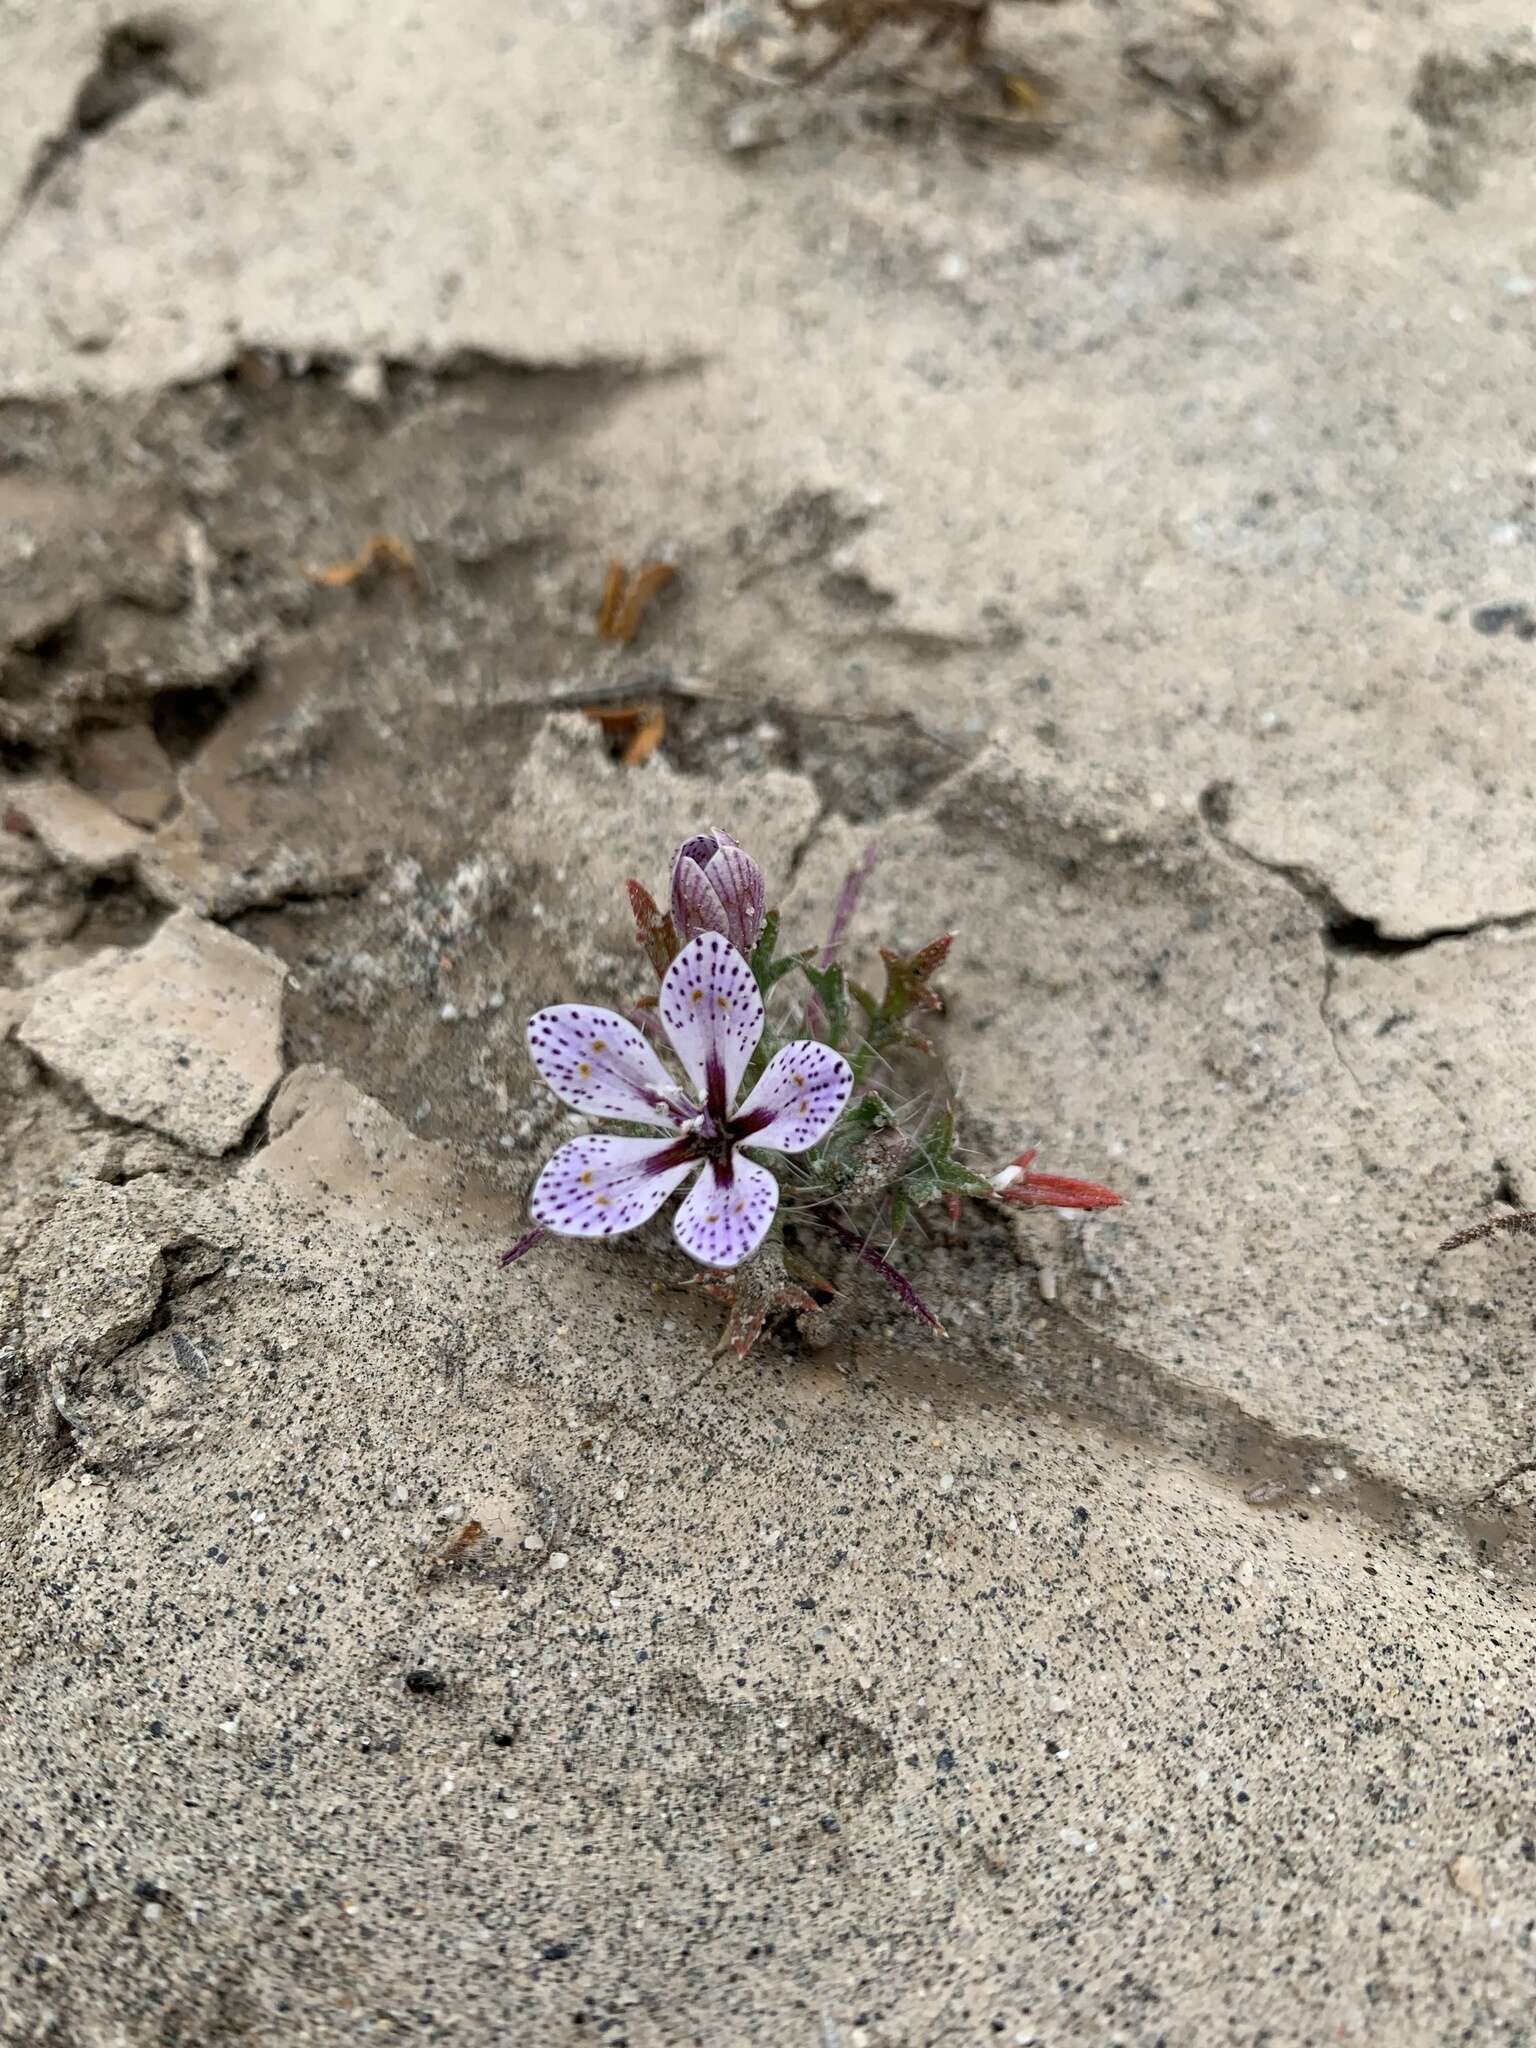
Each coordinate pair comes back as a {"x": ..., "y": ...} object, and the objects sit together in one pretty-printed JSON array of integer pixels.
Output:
[
  {"x": 648, "y": 736},
  {"x": 642, "y": 728},
  {"x": 613, "y": 596},
  {"x": 626, "y": 600},
  {"x": 381, "y": 551},
  {"x": 650, "y": 580},
  {"x": 753, "y": 1294},
  {"x": 459, "y": 1545}
]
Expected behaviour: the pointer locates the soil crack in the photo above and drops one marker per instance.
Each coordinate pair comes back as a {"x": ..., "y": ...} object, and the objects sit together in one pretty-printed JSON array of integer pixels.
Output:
[
  {"x": 1344, "y": 930},
  {"x": 1341, "y": 931}
]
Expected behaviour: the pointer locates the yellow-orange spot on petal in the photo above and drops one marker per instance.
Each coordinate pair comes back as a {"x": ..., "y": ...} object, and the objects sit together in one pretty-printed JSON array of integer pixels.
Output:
[
  {"x": 798, "y": 1079},
  {"x": 583, "y": 1069},
  {"x": 711, "y": 1219},
  {"x": 599, "y": 1045},
  {"x": 603, "y": 1201},
  {"x": 721, "y": 1003},
  {"x": 697, "y": 996},
  {"x": 586, "y": 1178}
]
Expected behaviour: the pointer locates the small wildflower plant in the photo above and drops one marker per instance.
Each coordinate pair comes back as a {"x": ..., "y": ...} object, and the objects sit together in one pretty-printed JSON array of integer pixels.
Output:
[{"x": 776, "y": 1118}]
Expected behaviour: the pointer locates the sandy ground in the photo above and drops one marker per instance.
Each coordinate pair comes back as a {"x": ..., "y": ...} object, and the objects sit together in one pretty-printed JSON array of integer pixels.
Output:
[{"x": 1114, "y": 493}]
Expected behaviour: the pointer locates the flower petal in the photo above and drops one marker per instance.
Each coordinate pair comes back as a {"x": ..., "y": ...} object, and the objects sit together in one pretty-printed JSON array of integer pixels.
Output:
[
  {"x": 696, "y": 905},
  {"x": 727, "y": 1211},
  {"x": 803, "y": 1092},
  {"x": 597, "y": 1062},
  {"x": 600, "y": 1185},
  {"x": 714, "y": 1017}
]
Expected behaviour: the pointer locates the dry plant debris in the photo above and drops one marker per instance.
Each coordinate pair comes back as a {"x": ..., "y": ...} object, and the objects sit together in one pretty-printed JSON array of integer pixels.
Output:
[
  {"x": 380, "y": 554},
  {"x": 626, "y": 599},
  {"x": 855, "y": 21},
  {"x": 638, "y": 728}
]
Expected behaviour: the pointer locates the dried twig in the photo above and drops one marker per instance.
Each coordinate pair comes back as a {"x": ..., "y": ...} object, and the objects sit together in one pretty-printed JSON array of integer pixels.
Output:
[
  {"x": 380, "y": 552},
  {"x": 626, "y": 599},
  {"x": 1522, "y": 1221},
  {"x": 897, "y": 1281}
]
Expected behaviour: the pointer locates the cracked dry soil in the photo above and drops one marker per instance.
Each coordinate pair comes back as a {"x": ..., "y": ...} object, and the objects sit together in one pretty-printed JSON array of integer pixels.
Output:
[{"x": 400, "y": 1650}]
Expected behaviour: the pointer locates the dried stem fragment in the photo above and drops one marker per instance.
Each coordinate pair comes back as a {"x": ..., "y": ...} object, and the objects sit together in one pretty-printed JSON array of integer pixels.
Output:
[
  {"x": 379, "y": 553},
  {"x": 626, "y": 600}
]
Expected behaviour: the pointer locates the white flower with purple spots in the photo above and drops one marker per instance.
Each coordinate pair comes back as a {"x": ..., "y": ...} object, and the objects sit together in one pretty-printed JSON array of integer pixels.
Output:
[{"x": 712, "y": 1012}]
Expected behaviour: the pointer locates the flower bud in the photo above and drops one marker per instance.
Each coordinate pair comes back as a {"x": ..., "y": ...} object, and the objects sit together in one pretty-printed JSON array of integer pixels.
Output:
[
  {"x": 1016, "y": 1183},
  {"x": 717, "y": 888}
]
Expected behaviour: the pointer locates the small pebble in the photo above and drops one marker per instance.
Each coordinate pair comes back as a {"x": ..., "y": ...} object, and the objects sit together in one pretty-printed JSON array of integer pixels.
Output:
[
  {"x": 755, "y": 124},
  {"x": 365, "y": 382}
]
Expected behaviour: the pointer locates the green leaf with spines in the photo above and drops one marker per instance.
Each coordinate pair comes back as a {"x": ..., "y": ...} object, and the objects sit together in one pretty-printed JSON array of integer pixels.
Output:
[
  {"x": 767, "y": 970},
  {"x": 936, "y": 1172},
  {"x": 831, "y": 986},
  {"x": 907, "y": 977},
  {"x": 870, "y": 1113}
]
